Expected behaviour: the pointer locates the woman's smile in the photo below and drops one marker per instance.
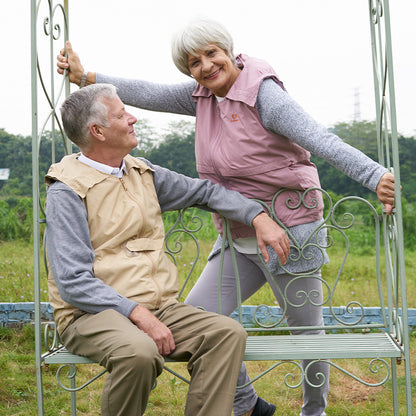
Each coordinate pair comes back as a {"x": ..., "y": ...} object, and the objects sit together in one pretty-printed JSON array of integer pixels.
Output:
[{"x": 213, "y": 68}]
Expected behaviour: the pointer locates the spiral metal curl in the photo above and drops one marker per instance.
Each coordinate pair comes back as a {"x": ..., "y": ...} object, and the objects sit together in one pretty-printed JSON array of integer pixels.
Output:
[
  {"x": 173, "y": 246},
  {"x": 50, "y": 333},
  {"x": 54, "y": 32},
  {"x": 287, "y": 378},
  {"x": 266, "y": 311},
  {"x": 71, "y": 375},
  {"x": 376, "y": 10},
  {"x": 374, "y": 366}
]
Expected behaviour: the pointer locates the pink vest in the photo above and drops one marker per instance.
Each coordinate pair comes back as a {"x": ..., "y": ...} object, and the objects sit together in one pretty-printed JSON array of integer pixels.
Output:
[{"x": 234, "y": 149}]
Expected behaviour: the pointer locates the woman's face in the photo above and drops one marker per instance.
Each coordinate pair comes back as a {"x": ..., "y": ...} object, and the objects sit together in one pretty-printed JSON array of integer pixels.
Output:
[{"x": 213, "y": 68}]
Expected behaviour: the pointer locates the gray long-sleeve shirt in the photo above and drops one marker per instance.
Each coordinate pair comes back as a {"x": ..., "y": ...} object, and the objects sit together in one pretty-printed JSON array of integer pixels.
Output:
[
  {"x": 69, "y": 249},
  {"x": 280, "y": 114}
]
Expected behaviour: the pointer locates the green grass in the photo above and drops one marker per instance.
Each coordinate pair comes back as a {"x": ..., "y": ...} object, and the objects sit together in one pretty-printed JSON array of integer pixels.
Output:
[
  {"x": 16, "y": 272},
  {"x": 18, "y": 386},
  {"x": 346, "y": 398}
]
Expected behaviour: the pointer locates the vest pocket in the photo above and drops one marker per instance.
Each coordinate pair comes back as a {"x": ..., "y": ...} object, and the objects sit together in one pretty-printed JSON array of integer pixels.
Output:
[{"x": 143, "y": 244}]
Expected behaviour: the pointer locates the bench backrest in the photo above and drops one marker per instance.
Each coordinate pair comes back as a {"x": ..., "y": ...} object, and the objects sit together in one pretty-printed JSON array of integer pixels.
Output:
[{"x": 358, "y": 284}]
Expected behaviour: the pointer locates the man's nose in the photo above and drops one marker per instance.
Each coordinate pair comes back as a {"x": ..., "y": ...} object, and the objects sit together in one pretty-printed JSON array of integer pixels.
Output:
[{"x": 132, "y": 119}]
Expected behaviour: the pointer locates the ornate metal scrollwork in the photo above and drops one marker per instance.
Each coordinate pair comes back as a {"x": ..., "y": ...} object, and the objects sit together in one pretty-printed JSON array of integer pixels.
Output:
[
  {"x": 51, "y": 337},
  {"x": 264, "y": 317},
  {"x": 71, "y": 375},
  {"x": 376, "y": 7},
  {"x": 174, "y": 240},
  {"x": 311, "y": 250},
  {"x": 53, "y": 31},
  {"x": 288, "y": 377},
  {"x": 374, "y": 366}
]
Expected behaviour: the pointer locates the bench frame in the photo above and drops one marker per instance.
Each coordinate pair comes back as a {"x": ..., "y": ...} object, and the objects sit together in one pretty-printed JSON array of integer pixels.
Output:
[
  {"x": 347, "y": 337},
  {"x": 384, "y": 349}
]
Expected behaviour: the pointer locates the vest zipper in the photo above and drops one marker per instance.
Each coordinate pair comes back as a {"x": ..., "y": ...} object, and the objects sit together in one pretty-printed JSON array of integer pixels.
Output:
[
  {"x": 123, "y": 184},
  {"x": 158, "y": 291},
  {"x": 215, "y": 147}
]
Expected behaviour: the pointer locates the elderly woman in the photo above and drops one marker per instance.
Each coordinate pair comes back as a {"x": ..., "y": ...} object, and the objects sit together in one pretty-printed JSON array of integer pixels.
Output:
[{"x": 251, "y": 136}]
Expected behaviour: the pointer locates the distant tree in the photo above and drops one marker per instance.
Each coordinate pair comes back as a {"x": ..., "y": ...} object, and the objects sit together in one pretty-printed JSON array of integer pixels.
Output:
[
  {"x": 359, "y": 134},
  {"x": 407, "y": 153},
  {"x": 147, "y": 137},
  {"x": 177, "y": 149},
  {"x": 16, "y": 154}
]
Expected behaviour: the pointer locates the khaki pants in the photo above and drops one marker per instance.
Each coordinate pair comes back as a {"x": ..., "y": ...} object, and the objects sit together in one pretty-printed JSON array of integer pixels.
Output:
[{"x": 212, "y": 344}]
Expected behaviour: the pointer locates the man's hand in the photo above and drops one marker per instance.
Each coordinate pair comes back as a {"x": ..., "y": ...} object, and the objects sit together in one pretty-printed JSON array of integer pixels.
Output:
[
  {"x": 269, "y": 233},
  {"x": 156, "y": 330},
  {"x": 385, "y": 192}
]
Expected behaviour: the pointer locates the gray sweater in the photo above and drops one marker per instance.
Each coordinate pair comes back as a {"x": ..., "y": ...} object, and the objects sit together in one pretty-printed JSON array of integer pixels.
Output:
[
  {"x": 280, "y": 114},
  {"x": 68, "y": 240}
]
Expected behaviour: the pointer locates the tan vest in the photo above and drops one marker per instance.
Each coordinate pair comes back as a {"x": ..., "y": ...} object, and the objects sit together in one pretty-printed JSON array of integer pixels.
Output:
[{"x": 126, "y": 231}]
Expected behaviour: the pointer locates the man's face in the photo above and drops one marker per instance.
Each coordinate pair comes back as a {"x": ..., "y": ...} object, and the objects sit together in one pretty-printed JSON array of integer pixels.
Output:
[{"x": 120, "y": 134}]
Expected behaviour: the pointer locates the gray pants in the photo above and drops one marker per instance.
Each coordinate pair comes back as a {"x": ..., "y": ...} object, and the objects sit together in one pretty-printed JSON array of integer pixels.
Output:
[
  {"x": 300, "y": 312},
  {"x": 212, "y": 344}
]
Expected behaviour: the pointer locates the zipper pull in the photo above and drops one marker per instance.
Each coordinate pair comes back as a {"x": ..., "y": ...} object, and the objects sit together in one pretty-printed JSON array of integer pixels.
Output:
[{"x": 124, "y": 185}]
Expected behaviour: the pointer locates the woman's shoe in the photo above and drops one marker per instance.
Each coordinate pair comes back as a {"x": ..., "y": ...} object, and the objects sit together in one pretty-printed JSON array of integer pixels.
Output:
[{"x": 263, "y": 408}]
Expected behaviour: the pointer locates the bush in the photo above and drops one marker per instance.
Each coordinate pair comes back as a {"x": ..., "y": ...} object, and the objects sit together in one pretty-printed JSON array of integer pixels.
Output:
[{"x": 15, "y": 219}]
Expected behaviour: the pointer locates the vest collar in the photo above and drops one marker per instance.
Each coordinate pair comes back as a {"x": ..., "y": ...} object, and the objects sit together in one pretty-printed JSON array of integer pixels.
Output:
[{"x": 82, "y": 177}]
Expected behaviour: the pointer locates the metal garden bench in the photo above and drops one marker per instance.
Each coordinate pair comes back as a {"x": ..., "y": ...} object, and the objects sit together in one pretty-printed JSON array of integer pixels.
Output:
[{"x": 348, "y": 336}]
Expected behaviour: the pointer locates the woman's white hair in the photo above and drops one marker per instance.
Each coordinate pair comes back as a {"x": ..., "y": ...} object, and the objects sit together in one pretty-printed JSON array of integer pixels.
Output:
[{"x": 195, "y": 37}]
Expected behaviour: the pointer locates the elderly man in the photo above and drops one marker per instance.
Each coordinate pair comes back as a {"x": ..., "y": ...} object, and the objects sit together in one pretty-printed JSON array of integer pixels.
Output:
[{"x": 113, "y": 289}]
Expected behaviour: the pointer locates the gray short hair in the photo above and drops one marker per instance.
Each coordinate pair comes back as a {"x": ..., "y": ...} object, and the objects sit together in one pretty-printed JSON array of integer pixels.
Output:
[
  {"x": 83, "y": 107},
  {"x": 195, "y": 37}
]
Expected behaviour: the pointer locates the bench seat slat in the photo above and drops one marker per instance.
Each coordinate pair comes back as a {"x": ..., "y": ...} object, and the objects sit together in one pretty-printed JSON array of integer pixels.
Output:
[
  {"x": 289, "y": 347},
  {"x": 331, "y": 346}
]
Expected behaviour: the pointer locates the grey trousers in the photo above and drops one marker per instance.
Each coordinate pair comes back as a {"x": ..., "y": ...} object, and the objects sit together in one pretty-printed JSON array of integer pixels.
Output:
[
  {"x": 212, "y": 344},
  {"x": 300, "y": 311}
]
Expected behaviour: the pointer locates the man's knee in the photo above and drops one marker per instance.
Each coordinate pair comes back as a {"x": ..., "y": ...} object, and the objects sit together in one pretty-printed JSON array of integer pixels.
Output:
[
  {"x": 143, "y": 358},
  {"x": 234, "y": 329}
]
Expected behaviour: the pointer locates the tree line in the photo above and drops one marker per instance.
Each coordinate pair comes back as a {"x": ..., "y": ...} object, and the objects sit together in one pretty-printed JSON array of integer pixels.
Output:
[{"x": 174, "y": 149}]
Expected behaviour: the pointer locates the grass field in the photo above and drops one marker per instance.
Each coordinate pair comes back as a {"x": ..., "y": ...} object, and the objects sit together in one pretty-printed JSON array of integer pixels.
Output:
[{"x": 17, "y": 360}]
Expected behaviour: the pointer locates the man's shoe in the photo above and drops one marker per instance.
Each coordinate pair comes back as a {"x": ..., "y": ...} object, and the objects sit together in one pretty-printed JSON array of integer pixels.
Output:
[{"x": 263, "y": 408}]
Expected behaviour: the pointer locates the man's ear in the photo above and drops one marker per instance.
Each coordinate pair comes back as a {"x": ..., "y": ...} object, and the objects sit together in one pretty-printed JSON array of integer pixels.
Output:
[{"x": 96, "y": 131}]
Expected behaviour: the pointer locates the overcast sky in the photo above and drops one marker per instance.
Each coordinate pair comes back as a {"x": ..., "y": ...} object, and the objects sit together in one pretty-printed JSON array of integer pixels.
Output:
[{"x": 319, "y": 48}]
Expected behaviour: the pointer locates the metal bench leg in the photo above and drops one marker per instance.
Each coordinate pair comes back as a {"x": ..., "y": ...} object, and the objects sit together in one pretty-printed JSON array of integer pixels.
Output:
[
  {"x": 394, "y": 387},
  {"x": 73, "y": 371}
]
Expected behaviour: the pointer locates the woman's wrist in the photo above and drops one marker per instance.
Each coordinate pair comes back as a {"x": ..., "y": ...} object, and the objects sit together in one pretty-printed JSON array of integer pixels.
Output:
[
  {"x": 90, "y": 78},
  {"x": 83, "y": 78}
]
